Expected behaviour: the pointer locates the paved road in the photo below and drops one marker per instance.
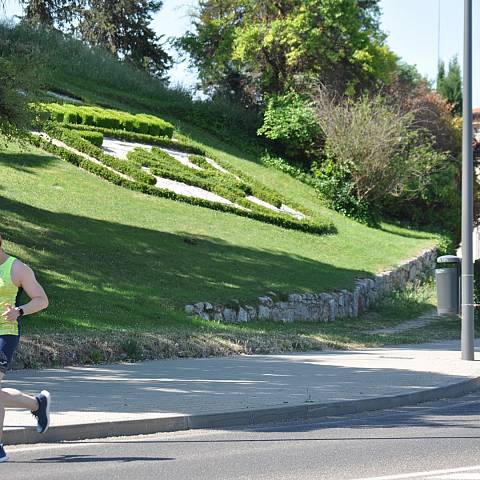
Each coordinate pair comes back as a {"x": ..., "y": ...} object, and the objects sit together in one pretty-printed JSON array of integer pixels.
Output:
[{"x": 440, "y": 440}]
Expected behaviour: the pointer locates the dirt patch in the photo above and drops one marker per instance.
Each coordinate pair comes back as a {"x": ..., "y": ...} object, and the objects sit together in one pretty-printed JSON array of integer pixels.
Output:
[{"x": 58, "y": 350}]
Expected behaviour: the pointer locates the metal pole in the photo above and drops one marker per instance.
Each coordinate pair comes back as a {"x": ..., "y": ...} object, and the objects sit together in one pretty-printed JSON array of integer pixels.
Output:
[{"x": 467, "y": 192}]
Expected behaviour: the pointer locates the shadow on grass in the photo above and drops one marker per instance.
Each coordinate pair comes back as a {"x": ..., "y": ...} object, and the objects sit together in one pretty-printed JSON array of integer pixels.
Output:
[
  {"x": 103, "y": 274},
  {"x": 403, "y": 233},
  {"x": 25, "y": 162}
]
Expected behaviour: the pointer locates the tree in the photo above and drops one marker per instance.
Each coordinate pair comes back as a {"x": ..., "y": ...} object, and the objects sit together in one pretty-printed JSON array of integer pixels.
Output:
[
  {"x": 123, "y": 28},
  {"x": 50, "y": 13},
  {"x": 432, "y": 113},
  {"x": 20, "y": 66},
  {"x": 120, "y": 26},
  {"x": 449, "y": 84},
  {"x": 250, "y": 48}
]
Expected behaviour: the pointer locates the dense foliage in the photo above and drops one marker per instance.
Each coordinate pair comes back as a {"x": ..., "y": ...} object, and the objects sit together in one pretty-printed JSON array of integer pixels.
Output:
[
  {"x": 246, "y": 49},
  {"x": 449, "y": 84},
  {"x": 289, "y": 120}
]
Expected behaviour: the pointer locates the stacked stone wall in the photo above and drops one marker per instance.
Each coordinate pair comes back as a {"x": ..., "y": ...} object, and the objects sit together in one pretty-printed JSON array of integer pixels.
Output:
[{"x": 324, "y": 306}]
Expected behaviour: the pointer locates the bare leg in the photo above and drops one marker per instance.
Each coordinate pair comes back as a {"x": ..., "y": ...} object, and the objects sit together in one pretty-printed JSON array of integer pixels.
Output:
[{"x": 11, "y": 398}]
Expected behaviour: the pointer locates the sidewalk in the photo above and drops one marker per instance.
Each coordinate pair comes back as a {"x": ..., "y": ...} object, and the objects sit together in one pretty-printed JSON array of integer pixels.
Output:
[{"x": 166, "y": 395}]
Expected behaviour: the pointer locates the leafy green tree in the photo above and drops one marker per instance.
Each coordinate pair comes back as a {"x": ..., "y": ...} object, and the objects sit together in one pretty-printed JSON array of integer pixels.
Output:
[
  {"x": 449, "y": 84},
  {"x": 249, "y": 48},
  {"x": 19, "y": 82}
]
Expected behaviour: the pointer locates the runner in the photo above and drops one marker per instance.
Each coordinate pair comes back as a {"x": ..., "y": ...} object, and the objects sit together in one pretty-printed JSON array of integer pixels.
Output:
[{"x": 16, "y": 277}]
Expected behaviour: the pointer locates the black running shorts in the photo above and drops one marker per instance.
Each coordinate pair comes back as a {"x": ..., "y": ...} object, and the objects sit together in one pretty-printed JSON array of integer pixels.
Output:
[{"x": 8, "y": 345}]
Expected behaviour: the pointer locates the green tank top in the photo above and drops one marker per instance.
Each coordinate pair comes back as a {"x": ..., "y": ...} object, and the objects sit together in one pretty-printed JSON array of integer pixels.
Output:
[{"x": 8, "y": 294}]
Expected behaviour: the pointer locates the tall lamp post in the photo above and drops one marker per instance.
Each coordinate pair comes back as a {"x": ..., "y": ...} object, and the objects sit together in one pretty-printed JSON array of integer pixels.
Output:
[{"x": 467, "y": 192}]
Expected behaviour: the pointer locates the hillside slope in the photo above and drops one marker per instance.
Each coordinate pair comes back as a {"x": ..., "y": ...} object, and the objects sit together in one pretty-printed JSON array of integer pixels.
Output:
[{"x": 117, "y": 260}]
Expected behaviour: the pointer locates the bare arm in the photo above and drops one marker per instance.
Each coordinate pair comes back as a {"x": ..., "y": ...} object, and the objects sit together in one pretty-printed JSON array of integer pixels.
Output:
[{"x": 23, "y": 276}]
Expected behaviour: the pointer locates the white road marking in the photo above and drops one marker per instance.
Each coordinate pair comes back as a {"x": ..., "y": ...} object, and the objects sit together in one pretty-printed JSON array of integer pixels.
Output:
[{"x": 447, "y": 474}]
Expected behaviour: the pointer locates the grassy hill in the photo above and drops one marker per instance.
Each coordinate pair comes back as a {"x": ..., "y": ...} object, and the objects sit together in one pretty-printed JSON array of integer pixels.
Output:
[{"x": 114, "y": 260}]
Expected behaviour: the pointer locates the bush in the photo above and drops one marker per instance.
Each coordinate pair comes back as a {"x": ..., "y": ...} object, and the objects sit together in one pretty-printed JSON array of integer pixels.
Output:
[
  {"x": 96, "y": 138},
  {"x": 290, "y": 120},
  {"x": 73, "y": 139},
  {"x": 430, "y": 191},
  {"x": 109, "y": 119},
  {"x": 335, "y": 184},
  {"x": 368, "y": 138},
  {"x": 165, "y": 166}
]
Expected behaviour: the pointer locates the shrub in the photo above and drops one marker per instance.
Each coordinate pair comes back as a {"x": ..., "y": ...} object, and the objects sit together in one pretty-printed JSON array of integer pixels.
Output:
[
  {"x": 140, "y": 126},
  {"x": 430, "y": 191},
  {"x": 109, "y": 119},
  {"x": 430, "y": 111},
  {"x": 336, "y": 186},
  {"x": 73, "y": 139},
  {"x": 290, "y": 120},
  {"x": 183, "y": 145},
  {"x": 368, "y": 138},
  {"x": 96, "y": 138},
  {"x": 70, "y": 116}
]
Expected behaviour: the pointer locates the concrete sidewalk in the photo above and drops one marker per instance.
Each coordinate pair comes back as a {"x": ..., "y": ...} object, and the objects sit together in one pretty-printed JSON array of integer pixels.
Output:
[{"x": 166, "y": 395}]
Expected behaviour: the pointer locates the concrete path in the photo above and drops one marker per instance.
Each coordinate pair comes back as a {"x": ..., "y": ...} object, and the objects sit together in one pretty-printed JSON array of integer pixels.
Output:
[{"x": 91, "y": 402}]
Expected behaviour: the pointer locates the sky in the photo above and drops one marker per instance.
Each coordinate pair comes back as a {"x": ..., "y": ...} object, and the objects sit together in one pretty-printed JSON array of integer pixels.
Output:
[{"x": 412, "y": 26}]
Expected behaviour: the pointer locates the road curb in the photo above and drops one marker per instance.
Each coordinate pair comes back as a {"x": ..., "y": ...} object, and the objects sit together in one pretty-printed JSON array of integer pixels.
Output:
[{"x": 240, "y": 418}]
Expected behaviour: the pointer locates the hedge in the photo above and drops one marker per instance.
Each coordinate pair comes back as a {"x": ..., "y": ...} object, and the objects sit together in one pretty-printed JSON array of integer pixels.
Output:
[
  {"x": 181, "y": 146},
  {"x": 308, "y": 226},
  {"x": 93, "y": 137},
  {"x": 110, "y": 119},
  {"x": 188, "y": 146},
  {"x": 164, "y": 165},
  {"x": 73, "y": 139}
]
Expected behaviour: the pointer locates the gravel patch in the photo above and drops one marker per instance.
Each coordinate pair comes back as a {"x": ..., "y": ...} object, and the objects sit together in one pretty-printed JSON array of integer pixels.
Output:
[
  {"x": 282, "y": 209},
  {"x": 65, "y": 98},
  {"x": 120, "y": 148}
]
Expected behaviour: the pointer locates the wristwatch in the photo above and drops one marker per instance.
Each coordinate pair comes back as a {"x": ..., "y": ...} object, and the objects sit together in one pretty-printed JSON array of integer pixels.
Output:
[{"x": 20, "y": 311}]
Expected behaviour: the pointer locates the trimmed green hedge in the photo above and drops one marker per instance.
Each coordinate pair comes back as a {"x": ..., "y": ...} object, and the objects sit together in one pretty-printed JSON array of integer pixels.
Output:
[
  {"x": 93, "y": 137},
  {"x": 309, "y": 226},
  {"x": 110, "y": 119},
  {"x": 182, "y": 146},
  {"x": 164, "y": 165},
  {"x": 73, "y": 139}
]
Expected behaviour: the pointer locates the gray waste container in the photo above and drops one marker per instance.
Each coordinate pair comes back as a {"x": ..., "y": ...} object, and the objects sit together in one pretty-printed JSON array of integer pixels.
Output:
[{"x": 447, "y": 277}]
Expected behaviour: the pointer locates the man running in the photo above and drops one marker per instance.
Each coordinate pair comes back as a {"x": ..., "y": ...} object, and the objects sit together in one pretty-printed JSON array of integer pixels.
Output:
[{"x": 16, "y": 277}]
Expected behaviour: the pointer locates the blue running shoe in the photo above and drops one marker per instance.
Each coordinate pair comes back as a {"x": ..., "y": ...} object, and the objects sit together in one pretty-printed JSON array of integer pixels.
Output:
[
  {"x": 43, "y": 413},
  {"x": 3, "y": 454}
]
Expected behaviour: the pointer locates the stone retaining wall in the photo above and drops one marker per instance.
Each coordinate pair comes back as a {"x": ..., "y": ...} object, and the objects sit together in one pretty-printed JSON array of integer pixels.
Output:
[{"x": 323, "y": 307}]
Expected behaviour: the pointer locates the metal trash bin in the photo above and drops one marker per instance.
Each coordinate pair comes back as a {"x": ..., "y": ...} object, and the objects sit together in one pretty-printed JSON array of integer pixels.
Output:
[{"x": 447, "y": 278}]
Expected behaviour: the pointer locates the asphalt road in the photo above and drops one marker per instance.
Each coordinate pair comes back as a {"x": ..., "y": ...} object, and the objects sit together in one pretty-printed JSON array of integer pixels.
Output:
[{"x": 439, "y": 440}]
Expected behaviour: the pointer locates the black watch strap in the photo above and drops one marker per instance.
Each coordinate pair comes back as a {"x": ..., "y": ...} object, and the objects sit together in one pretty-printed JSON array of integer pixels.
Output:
[{"x": 20, "y": 311}]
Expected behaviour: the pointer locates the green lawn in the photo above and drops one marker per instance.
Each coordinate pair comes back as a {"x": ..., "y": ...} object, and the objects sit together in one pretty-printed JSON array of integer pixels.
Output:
[
  {"x": 111, "y": 258},
  {"x": 119, "y": 266}
]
